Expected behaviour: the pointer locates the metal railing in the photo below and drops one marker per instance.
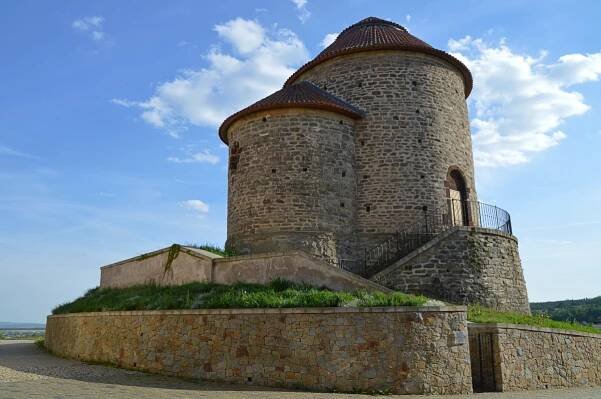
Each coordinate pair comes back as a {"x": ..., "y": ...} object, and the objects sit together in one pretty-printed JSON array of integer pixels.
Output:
[
  {"x": 452, "y": 213},
  {"x": 479, "y": 214}
]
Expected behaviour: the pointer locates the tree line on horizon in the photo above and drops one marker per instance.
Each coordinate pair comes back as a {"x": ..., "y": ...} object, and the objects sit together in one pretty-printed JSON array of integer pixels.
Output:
[{"x": 587, "y": 310}]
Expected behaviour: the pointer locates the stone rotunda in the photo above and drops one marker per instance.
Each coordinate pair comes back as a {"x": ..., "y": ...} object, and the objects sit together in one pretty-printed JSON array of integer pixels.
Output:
[{"x": 364, "y": 159}]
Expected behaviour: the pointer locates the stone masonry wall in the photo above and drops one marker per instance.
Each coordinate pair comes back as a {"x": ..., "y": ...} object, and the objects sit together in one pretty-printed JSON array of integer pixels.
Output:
[
  {"x": 404, "y": 350},
  {"x": 416, "y": 128},
  {"x": 292, "y": 183},
  {"x": 464, "y": 266},
  {"x": 530, "y": 358}
]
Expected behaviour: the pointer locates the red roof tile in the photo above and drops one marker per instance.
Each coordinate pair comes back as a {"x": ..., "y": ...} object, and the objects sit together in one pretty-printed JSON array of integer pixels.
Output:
[
  {"x": 378, "y": 34},
  {"x": 299, "y": 95}
]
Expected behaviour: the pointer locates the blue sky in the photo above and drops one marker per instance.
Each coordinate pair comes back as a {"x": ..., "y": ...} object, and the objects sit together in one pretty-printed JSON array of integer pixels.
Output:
[{"x": 109, "y": 114}]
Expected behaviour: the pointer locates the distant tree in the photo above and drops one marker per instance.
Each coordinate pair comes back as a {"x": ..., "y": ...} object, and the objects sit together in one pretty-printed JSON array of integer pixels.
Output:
[{"x": 587, "y": 310}]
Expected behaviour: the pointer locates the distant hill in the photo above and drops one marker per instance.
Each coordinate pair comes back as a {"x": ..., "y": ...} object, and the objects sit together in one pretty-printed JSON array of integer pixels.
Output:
[
  {"x": 6, "y": 325},
  {"x": 586, "y": 310}
]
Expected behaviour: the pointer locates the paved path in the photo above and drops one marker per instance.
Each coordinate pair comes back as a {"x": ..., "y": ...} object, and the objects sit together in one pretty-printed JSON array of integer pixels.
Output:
[{"x": 28, "y": 372}]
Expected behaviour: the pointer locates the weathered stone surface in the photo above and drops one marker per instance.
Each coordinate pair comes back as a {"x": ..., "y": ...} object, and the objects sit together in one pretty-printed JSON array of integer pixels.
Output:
[
  {"x": 529, "y": 358},
  {"x": 464, "y": 266},
  {"x": 406, "y": 350},
  {"x": 173, "y": 265},
  {"x": 317, "y": 181},
  {"x": 416, "y": 128},
  {"x": 193, "y": 265},
  {"x": 295, "y": 266},
  {"x": 293, "y": 183}
]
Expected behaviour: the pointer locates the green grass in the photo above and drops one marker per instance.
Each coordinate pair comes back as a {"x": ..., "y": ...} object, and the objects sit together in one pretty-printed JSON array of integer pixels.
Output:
[
  {"x": 225, "y": 252},
  {"x": 479, "y": 314},
  {"x": 40, "y": 343},
  {"x": 278, "y": 294}
]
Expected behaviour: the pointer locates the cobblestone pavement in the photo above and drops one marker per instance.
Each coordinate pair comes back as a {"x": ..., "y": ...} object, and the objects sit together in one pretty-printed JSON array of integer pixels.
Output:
[{"x": 28, "y": 372}]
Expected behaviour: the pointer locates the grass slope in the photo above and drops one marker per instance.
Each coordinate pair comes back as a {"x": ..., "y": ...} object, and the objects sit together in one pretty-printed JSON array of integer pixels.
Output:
[
  {"x": 278, "y": 294},
  {"x": 479, "y": 314}
]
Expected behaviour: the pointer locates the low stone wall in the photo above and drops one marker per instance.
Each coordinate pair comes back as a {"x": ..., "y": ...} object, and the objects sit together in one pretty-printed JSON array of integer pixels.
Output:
[
  {"x": 508, "y": 357},
  {"x": 294, "y": 266},
  {"x": 174, "y": 265},
  {"x": 177, "y": 265},
  {"x": 464, "y": 265},
  {"x": 405, "y": 350}
]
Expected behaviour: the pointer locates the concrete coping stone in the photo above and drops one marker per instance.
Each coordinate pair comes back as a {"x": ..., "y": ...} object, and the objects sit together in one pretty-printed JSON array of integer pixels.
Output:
[
  {"x": 321, "y": 262},
  {"x": 493, "y": 327},
  {"x": 262, "y": 256},
  {"x": 483, "y": 230},
  {"x": 342, "y": 310},
  {"x": 199, "y": 253}
]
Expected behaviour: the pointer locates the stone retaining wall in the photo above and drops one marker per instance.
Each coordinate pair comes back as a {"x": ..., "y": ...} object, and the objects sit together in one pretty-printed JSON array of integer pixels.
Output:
[
  {"x": 509, "y": 357},
  {"x": 464, "y": 265},
  {"x": 405, "y": 350}
]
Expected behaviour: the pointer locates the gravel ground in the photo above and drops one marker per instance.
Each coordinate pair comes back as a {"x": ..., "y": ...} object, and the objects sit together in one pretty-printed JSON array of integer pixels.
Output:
[{"x": 28, "y": 372}]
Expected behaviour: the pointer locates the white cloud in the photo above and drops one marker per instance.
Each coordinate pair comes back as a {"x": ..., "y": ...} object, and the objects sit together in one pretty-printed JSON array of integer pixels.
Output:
[
  {"x": 245, "y": 35},
  {"x": 204, "y": 156},
  {"x": 4, "y": 150},
  {"x": 196, "y": 205},
  {"x": 577, "y": 68},
  {"x": 520, "y": 101},
  {"x": 328, "y": 39},
  {"x": 90, "y": 25},
  {"x": 301, "y": 7},
  {"x": 260, "y": 63},
  {"x": 96, "y": 35},
  {"x": 123, "y": 102}
]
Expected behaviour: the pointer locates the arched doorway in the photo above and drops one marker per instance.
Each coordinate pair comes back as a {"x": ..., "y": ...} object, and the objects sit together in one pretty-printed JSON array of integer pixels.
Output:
[{"x": 457, "y": 195}]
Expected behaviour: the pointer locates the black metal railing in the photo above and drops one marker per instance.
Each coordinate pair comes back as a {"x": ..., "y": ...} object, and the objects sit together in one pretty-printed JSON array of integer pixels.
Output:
[
  {"x": 453, "y": 213},
  {"x": 478, "y": 214}
]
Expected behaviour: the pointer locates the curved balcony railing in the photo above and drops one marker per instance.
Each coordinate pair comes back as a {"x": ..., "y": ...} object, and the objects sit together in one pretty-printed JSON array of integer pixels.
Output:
[
  {"x": 478, "y": 214},
  {"x": 453, "y": 213}
]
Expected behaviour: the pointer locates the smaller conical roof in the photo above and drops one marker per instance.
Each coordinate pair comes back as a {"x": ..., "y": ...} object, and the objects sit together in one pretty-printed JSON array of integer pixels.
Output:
[
  {"x": 378, "y": 34},
  {"x": 299, "y": 95}
]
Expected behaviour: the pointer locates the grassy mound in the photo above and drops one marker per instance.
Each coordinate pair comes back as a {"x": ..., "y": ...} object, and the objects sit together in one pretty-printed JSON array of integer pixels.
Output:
[
  {"x": 278, "y": 294},
  {"x": 479, "y": 314}
]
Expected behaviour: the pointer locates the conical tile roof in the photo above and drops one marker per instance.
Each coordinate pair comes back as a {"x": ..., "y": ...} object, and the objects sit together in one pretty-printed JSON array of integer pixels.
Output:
[
  {"x": 299, "y": 95},
  {"x": 378, "y": 34}
]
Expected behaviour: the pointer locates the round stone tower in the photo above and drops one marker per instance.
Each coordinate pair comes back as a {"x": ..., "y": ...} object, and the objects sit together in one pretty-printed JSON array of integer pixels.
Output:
[
  {"x": 364, "y": 159},
  {"x": 364, "y": 140},
  {"x": 413, "y": 146},
  {"x": 291, "y": 180}
]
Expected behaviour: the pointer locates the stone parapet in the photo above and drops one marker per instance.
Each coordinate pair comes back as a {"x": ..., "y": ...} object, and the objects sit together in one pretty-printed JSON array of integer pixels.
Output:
[
  {"x": 464, "y": 265},
  {"x": 178, "y": 265}
]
